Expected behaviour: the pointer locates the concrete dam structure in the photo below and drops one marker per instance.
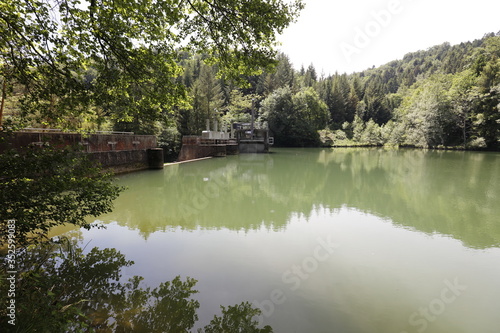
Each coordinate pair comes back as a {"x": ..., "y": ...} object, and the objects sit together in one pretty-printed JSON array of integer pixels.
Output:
[{"x": 116, "y": 151}]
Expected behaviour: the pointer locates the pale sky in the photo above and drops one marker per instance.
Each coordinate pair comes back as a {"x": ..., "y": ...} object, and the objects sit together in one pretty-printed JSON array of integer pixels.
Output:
[{"x": 352, "y": 35}]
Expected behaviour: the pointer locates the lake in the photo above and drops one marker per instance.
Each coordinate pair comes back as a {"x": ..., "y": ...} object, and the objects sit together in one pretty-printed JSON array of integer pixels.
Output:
[{"x": 322, "y": 240}]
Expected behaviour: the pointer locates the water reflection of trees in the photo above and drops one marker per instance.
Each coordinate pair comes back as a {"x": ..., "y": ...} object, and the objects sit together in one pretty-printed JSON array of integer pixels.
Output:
[
  {"x": 61, "y": 289},
  {"x": 454, "y": 193}
]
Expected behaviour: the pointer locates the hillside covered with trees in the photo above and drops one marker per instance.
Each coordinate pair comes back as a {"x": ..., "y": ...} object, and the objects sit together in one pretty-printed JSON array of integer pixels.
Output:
[{"x": 445, "y": 96}]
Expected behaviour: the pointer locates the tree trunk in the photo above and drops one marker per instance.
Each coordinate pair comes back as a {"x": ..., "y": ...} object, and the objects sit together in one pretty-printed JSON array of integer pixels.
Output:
[
  {"x": 4, "y": 95},
  {"x": 465, "y": 132}
]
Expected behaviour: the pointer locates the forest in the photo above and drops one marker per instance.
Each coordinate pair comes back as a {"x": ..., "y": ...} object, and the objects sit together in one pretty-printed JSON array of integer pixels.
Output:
[{"x": 447, "y": 96}]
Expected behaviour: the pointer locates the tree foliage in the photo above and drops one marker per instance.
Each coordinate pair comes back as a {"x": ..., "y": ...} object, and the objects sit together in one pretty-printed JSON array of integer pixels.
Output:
[
  {"x": 122, "y": 57},
  {"x": 295, "y": 119},
  {"x": 44, "y": 187},
  {"x": 444, "y": 96},
  {"x": 234, "y": 319}
]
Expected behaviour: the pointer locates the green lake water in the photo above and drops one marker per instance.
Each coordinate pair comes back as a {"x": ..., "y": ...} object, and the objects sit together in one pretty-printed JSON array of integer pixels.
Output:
[{"x": 322, "y": 240}]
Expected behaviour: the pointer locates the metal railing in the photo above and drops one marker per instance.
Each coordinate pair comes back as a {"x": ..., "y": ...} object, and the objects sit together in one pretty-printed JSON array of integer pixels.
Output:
[
  {"x": 33, "y": 129},
  {"x": 217, "y": 142},
  {"x": 114, "y": 132}
]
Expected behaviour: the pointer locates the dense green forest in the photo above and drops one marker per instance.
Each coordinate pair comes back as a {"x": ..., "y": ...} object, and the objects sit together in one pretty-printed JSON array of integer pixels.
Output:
[{"x": 446, "y": 96}]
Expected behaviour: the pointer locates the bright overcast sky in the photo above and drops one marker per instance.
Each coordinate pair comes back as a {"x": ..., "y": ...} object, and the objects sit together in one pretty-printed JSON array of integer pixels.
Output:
[{"x": 352, "y": 35}]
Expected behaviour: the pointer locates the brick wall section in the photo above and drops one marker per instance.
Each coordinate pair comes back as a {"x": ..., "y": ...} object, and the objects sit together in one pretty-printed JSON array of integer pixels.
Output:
[
  {"x": 114, "y": 142},
  {"x": 118, "y": 152}
]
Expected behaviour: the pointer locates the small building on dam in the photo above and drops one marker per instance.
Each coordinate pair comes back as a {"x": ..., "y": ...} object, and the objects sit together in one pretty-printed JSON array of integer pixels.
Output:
[{"x": 243, "y": 138}]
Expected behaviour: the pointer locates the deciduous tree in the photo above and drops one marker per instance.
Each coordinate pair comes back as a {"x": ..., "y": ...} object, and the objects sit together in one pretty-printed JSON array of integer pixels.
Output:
[
  {"x": 134, "y": 46},
  {"x": 44, "y": 187}
]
